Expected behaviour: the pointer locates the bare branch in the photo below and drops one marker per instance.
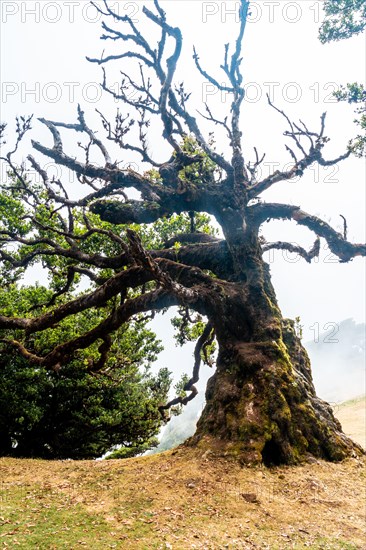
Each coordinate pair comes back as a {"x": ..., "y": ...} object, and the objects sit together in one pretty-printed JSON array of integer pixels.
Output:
[
  {"x": 344, "y": 226},
  {"x": 117, "y": 178},
  {"x": 143, "y": 258},
  {"x": 254, "y": 167},
  {"x": 207, "y": 76},
  {"x": 314, "y": 153},
  {"x": 193, "y": 237},
  {"x": 156, "y": 300},
  {"x": 132, "y": 277},
  {"x": 71, "y": 272},
  {"x": 130, "y": 212},
  {"x": 202, "y": 342},
  {"x": 23, "y": 125},
  {"x": 296, "y": 249},
  {"x": 216, "y": 121},
  {"x": 336, "y": 241}
]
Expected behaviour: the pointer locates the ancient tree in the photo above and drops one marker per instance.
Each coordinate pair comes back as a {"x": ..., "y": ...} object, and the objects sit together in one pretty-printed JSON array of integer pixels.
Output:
[{"x": 261, "y": 402}]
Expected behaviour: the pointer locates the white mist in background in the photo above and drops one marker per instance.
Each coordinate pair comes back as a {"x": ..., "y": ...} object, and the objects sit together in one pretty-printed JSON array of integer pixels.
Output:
[{"x": 338, "y": 361}]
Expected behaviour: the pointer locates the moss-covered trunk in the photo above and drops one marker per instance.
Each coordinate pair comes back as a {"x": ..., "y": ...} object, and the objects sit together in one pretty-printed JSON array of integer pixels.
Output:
[{"x": 261, "y": 402}]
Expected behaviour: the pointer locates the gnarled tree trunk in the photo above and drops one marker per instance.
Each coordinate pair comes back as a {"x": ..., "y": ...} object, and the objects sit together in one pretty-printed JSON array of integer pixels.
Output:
[{"x": 261, "y": 404}]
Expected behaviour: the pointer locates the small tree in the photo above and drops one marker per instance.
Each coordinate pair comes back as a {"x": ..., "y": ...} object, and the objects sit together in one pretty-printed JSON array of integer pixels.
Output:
[
  {"x": 76, "y": 411},
  {"x": 261, "y": 402}
]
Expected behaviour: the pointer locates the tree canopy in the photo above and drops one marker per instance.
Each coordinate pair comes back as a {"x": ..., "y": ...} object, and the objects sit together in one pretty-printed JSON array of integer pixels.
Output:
[
  {"x": 79, "y": 411},
  {"x": 344, "y": 19},
  {"x": 74, "y": 412}
]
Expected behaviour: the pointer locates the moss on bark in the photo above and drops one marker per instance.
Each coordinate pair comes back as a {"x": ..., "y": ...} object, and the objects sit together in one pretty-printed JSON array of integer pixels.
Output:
[{"x": 262, "y": 406}]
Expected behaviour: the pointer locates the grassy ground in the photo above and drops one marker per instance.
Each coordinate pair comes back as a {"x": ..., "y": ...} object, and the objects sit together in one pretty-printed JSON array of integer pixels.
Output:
[
  {"x": 181, "y": 499},
  {"x": 352, "y": 415}
]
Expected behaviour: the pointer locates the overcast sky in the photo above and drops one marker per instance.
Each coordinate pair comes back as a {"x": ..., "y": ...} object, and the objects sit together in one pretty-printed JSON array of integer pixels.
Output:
[{"x": 44, "y": 71}]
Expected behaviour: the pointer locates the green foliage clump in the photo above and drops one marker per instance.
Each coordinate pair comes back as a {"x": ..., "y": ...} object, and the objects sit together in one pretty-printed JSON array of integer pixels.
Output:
[
  {"x": 134, "y": 450},
  {"x": 343, "y": 19},
  {"x": 155, "y": 235},
  {"x": 356, "y": 94},
  {"x": 73, "y": 412},
  {"x": 188, "y": 328},
  {"x": 198, "y": 172}
]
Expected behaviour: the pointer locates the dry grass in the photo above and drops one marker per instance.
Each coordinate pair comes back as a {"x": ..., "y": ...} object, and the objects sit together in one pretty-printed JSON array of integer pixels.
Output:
[
  {"x": 352, "y": 416},
  {"x": 180, "y": 499}
]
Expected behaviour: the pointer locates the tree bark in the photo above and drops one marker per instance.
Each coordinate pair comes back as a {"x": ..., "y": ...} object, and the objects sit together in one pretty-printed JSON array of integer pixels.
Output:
[{"x": 261, "y": 404}]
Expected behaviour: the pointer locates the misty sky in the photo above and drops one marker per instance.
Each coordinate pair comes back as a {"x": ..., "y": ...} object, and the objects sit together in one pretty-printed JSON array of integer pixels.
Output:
[{"x": 44, "y": 71}]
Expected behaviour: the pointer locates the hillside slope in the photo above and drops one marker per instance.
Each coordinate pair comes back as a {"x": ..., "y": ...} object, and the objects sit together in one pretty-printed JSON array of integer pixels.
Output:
[
  {"x": 184, "y": 499},
  {"x": 180, "y": 500},
  {"x": 352, "y": 416}
]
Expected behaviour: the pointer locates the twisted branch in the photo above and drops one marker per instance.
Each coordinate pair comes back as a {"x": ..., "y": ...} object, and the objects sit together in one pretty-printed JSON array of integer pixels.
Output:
[
  {"x": 336, "y": 241},
  {"x": 203, "y": 341}
]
